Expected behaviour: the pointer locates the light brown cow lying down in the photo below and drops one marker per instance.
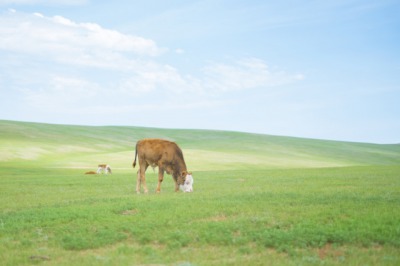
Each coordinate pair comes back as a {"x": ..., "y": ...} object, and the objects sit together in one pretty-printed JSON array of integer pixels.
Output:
[{"x": 164, "y": 154}]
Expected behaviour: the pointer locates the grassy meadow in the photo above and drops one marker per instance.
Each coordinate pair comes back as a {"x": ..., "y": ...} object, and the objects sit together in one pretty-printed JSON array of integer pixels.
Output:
[{"x": 257, "y": 200}]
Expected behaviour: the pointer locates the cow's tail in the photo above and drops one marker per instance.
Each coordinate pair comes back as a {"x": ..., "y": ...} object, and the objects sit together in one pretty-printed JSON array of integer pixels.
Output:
[{"x": 134, "y": 162}]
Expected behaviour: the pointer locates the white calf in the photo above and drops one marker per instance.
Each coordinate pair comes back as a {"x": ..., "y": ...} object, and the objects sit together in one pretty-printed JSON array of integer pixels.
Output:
[{"x": 104, "y": 168}]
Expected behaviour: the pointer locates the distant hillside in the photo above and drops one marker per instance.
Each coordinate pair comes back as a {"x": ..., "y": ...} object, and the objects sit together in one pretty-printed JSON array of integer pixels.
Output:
[{"x": 84, "y": 146}]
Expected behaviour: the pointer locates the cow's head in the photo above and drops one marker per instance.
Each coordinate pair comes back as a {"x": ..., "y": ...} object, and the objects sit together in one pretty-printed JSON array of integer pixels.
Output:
[
  {"x": 182, "y": 177},
  {"x": 187, "y": 186}
]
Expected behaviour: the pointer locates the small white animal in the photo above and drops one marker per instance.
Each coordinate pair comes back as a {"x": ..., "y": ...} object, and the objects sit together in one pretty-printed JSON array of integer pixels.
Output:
[
  {"x": 188, "y": 185},
  {"x": 104, "y": 168}
]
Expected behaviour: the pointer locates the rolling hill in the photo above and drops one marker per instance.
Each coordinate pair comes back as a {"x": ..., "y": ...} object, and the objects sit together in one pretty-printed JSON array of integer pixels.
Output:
[{"x": 50, "y": 145}]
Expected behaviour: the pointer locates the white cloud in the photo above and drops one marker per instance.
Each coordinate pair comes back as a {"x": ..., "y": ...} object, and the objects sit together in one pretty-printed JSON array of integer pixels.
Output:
[
  {"x": 299, "y": 77},
  {"x": 163, "y": 83},
  {"x": 157, "y": 78},
  {"x": 247, "y": 73},
  {"x": 63, "y": 92},
  {"x": 57, "y": 36}
]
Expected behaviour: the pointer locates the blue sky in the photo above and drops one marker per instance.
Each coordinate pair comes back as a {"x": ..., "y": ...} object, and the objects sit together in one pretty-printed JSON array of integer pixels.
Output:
[{"x": 315, "y": 69}]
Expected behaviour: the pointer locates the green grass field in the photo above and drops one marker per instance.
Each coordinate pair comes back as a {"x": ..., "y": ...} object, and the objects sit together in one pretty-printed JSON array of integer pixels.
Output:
[{"x": 257, "y": 200}]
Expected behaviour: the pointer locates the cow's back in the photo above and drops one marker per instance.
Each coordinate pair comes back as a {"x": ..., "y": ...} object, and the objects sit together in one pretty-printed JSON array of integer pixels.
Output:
[{"x": 153, "y": 150}]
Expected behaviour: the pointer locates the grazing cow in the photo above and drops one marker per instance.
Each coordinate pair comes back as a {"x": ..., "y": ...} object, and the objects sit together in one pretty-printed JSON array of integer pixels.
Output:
[
  {"x": 165, "y": 155},
  {"x": 104, "y": 168}
]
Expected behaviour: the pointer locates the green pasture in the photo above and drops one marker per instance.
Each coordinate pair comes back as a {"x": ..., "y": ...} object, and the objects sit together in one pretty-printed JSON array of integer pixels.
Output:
[{"x": 257, "y": 200}]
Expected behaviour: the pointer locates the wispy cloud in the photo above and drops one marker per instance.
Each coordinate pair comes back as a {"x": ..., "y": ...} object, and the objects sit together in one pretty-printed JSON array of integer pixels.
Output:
[
  {"x": 245, "y": 74},
  {"x": 62, "y": 91}
]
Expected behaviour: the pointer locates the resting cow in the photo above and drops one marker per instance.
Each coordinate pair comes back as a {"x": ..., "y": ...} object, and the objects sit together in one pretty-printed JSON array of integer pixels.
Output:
[
  {"x": 165, "y": 155},
  {"x": 90, "y": 173}
]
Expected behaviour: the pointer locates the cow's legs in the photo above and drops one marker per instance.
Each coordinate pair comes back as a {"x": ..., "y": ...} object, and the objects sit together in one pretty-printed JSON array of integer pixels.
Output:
[
  {"x": 176, "y": 184},
  {"x": 160, "y": 178},
  {"x": 141, "y": 178},
  {"x": 138, "y": 182}
]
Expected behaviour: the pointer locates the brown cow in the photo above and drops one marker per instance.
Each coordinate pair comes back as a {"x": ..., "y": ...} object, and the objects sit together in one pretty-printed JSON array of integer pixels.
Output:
[
  {"x": 90, "y": 173},
  {"x": 164, "y": 154}
]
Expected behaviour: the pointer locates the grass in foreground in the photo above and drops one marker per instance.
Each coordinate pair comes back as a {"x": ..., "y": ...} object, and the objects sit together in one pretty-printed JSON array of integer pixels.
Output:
[{"x": 326, "y": 216}]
